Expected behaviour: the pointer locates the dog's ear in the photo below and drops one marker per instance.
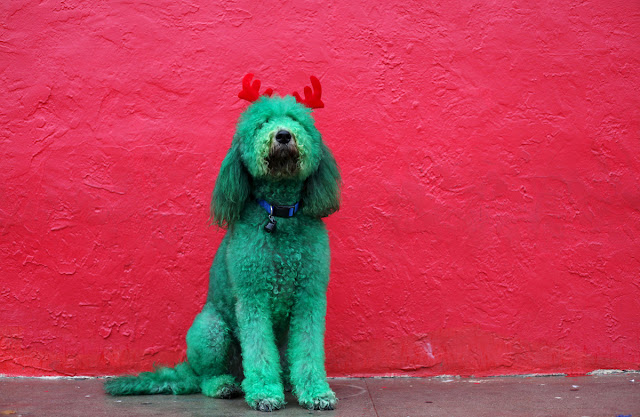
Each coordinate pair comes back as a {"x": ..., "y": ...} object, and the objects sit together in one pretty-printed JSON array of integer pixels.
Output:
[
  {"x": 232, "y": 189},
  {"x": 321, "y": 195}
]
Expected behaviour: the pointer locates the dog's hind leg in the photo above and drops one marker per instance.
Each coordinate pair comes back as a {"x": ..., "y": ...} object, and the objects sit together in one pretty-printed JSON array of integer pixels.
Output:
[{"x": 208, "y": 342}]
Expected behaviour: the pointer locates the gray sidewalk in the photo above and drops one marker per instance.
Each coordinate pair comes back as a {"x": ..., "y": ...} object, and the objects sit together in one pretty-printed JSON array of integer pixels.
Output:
[{"x": 603, "y": 395}]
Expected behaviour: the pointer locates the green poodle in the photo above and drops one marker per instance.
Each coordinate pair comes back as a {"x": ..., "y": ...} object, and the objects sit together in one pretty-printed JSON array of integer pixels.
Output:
[{"x": 262, "y": 326}]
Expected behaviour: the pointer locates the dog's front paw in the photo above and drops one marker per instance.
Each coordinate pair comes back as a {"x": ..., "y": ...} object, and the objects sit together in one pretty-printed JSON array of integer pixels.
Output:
[
  {"x": 268, "y": 404},
  {"x": 324, "y": 401},
  {"x": 263, "y": 397}
]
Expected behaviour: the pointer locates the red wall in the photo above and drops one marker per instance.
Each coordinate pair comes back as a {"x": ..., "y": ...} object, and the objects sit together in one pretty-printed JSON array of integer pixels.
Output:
[{"x": 490, "y": 155}]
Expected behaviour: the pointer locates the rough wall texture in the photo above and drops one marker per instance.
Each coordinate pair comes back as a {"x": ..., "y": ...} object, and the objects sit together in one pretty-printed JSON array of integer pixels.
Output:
[{"x": 491, "y": 214}]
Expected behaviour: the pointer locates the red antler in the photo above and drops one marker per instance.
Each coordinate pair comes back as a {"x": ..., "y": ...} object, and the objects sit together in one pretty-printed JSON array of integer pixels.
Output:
[
  {"x": 251, "y": 92},
  {"x": 311, "y": 100}
]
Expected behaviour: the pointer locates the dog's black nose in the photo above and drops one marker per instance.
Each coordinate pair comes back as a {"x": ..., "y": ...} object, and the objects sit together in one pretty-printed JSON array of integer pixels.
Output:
[{"x": 283, "y": 136}]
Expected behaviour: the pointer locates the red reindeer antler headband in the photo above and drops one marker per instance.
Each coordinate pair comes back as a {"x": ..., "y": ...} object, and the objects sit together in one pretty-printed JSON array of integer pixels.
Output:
[
  {"x": 251, "y": 92},
  {"x": 311, "y": 100}
]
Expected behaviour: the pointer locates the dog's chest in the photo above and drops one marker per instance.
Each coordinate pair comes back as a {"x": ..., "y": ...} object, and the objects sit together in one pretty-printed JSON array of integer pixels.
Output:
[{"x": 283, "y": 283}]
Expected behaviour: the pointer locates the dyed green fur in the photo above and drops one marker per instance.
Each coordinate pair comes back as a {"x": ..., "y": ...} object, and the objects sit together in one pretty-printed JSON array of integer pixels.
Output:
[{"x": 267, "y": 292}]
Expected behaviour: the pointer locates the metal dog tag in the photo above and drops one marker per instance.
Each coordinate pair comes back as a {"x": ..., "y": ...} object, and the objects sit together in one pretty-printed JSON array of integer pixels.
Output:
[{"x": 271, "y": 226}]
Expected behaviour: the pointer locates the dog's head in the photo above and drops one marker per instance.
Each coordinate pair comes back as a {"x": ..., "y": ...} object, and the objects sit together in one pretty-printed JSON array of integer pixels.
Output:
[{"x": 276, "y": 139}]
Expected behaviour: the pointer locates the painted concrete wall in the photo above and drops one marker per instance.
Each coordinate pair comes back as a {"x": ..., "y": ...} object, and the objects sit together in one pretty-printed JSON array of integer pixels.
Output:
[{"x": 491, "y": 164}]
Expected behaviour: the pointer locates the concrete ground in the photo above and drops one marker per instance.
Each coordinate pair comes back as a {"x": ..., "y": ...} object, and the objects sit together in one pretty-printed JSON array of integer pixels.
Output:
[{"x": 603, "y": 395}]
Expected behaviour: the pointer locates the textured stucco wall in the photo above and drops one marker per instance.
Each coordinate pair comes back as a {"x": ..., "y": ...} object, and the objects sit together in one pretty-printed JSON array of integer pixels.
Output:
[{"x": 490, "y": 154}]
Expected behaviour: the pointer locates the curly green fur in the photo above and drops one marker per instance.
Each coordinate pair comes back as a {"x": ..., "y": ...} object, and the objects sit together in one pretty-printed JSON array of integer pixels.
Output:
[{"x": 262, "y": 326}]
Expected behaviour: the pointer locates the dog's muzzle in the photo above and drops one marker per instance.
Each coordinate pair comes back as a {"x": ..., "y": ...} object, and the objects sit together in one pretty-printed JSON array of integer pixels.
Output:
[{"x": 283, "y": 159}]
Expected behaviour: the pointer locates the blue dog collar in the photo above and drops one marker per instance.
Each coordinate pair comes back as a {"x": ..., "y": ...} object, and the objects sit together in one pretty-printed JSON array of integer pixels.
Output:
[{"x": 279, "y": 211}]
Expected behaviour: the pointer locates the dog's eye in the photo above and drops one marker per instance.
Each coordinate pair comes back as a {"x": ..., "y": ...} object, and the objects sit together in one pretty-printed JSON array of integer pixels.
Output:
[
  {"x": 292, "y": 117},
  {"x": 264, "y": 123}
]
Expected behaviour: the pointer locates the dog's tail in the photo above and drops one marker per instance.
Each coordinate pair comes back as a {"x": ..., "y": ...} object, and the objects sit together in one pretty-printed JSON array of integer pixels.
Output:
[{"x": 177, "y": 380}]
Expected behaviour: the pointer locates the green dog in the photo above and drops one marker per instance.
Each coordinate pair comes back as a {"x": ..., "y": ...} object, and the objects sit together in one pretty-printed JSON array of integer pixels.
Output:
[{"x": 264, "y": 319}]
